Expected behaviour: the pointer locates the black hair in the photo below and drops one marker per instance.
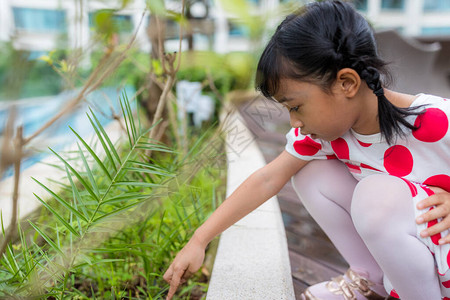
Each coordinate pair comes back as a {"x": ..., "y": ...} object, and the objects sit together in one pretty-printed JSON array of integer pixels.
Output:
[{"x": 317, "y": 41}]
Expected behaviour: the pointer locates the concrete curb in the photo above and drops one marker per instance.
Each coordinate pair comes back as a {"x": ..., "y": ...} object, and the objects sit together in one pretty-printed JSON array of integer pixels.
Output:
[{"x": 252, "y": 260}]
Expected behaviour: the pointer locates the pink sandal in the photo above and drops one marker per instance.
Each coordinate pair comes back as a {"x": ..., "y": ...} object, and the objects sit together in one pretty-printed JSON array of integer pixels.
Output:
[{"x": 348, "y": 289}]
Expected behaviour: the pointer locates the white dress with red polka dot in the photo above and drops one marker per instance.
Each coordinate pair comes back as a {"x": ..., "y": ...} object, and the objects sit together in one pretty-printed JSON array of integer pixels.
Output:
[{"x": 420, "y": 158}]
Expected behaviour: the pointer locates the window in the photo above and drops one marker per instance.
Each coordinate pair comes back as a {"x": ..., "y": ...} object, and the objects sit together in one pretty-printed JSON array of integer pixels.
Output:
[
  {"x": 436, "y": 5},
  {"x": 393, "y": 4},
  {"x": 119, "y": 23},
  {"x": 36, "y": 54},
  {"x": 123, "y": 23},
  {"x": 361, "y": 4},
  {"x": 436, "y": 30},
  {"x": 40, "y": 20},
  {"x": 172, "y": 29},
  {"x": 237, "y": 30}
]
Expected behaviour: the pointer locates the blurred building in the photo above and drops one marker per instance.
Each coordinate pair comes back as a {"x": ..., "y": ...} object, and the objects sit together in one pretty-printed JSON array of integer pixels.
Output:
[
  {"x": 42, "y": 25},
  {"x": 410, "y": 17}
]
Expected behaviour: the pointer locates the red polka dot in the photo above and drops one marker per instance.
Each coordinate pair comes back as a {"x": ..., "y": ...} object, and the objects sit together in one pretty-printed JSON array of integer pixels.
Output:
[
  {"x": 427, "y": 190},
  {"x": 446, "y": 298},
  {"x": 340, "y": 147},
  {"x": 442, "y": 181},
  {"x": 446, "y": 284},
  {"x": 436, "y": 237},
  {"x": 296, "y": 131},
  {"x": 353, "y": 168},
  {"x": 364, "y": 144},
  {"x": 369, "y": 167},
  {"x": 433, "y": 125},
  {"x": 448, "y": 258},
  {"x": 394, "y": 294},
  {"x": 411, "y": 186},
  {"x": 398, "y": 161},
  {"x": 331, "y": 156},
  {"x": 307, "y": 146}
]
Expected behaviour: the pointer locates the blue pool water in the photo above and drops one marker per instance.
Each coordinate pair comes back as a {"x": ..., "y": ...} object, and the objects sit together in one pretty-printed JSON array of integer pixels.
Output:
[{"x": 35, "y": 112}]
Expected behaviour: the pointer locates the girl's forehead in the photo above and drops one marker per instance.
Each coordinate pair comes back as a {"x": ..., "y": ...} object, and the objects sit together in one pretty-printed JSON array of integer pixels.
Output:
[{"x": 287, "y": 87}]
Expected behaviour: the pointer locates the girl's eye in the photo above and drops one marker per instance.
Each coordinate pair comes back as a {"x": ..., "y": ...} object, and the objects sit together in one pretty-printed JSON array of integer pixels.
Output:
[{"x": 295, "y": 108}]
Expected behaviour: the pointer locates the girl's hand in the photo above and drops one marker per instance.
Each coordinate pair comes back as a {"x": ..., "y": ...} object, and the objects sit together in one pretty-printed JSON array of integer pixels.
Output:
[
  {"x": 187, "y": 262},
  {"x": 440, "y": 199}
]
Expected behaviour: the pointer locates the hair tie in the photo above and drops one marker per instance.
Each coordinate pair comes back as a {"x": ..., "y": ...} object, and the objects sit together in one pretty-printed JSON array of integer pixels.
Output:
[{"x": 379, "y": 92}]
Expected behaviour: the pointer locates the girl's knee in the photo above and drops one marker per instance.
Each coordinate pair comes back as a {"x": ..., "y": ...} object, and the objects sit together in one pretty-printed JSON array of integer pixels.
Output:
[
  {"x": 377, "y": 200},
  {"x": 323, "y": 181}
]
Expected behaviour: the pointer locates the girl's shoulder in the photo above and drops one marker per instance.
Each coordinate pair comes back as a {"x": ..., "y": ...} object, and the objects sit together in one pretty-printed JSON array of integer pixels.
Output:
[{"x": 430, "y": 101}]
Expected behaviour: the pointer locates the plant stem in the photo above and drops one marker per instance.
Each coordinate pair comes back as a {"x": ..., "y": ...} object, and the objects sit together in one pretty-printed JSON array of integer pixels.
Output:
[{"x": 18, "y": 145}]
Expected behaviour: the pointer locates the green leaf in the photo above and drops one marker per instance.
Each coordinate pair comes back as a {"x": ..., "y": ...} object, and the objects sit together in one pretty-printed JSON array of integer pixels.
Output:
[
  {"x": 147, "y": 171},
  {"x": 107, "y": 139},
  {"x": 77, "y": 175},
  {"x": 126, "y": 196},
  {"x": 110, "y": 214},
  {"x": 46, "y": 238},
  {"x": 77, "y": 197},
  {"x": 88, "y": 170},
  {"x": 58, "y": 216},
  {"x": 156, "y": 7},
  {"x": 97, "y": 159},
  {"x": 60, "y": 200},
  {"x": 136, "y": 184},
  {"x": 130, "y": 139},
  {"x": 129, "y": 113}
]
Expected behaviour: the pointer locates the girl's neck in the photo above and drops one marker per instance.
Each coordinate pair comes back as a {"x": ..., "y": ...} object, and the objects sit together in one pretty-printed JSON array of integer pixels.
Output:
[
  {"x": 368, "y": 123},
  {"x": 400, "y": 99}
]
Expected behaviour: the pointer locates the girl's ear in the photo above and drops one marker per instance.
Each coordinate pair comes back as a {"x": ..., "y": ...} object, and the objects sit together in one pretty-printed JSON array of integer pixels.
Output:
[{"x": 348, "y": 82}]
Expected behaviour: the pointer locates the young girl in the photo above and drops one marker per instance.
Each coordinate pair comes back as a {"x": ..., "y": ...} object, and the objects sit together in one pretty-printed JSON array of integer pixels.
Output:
[{"x": 322, "y": 65}]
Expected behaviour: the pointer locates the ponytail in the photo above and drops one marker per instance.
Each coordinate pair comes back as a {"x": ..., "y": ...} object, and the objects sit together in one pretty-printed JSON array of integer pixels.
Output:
[{"x": 390, "y": 117}]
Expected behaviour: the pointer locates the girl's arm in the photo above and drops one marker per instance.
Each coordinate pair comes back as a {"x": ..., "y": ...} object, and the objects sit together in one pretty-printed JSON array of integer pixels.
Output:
[
  {"x": 440, "y": 199},
  {"x": 254, "y": 191}
]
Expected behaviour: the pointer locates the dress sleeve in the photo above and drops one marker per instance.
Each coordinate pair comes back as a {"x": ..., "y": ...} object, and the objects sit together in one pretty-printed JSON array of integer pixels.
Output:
[{"x": 306, "y": 148}]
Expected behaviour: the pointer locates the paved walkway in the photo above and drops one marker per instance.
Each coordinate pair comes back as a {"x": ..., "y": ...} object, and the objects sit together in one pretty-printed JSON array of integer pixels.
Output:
[{"x": 313, "y": 258}]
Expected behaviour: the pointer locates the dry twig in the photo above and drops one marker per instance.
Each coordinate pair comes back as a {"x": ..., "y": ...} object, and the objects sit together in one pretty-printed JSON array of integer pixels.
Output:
[{"x": 18, "y": 153}]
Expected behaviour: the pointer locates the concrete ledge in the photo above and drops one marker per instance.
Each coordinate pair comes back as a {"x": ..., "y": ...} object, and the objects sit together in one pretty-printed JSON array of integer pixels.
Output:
[{"x": 252, "y": 260}]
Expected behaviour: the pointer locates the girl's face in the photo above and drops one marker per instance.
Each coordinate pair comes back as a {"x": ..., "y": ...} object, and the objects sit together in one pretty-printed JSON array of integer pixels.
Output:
[{"x": 326, "y": 116}]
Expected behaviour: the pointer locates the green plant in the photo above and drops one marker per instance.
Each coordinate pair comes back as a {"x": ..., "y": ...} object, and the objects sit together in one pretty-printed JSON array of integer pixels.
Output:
[
  {"x": 22, "y": 77},
  {"x": 117, "y": 221}
]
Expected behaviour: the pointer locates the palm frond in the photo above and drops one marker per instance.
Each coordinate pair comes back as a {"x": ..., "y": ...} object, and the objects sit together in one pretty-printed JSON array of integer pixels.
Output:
[
  {"x": 93, "y": 154},
  {"x": 104, "y": 139},
  {"x": 78, "y": 175}
]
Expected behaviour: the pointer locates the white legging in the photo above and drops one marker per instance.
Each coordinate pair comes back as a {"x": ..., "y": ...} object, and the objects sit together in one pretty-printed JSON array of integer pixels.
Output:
[{"x": 372, "y": 224}]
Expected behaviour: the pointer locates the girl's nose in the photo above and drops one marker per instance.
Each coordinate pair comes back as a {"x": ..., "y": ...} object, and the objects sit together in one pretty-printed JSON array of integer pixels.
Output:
[{"x": 295, "y": 122}]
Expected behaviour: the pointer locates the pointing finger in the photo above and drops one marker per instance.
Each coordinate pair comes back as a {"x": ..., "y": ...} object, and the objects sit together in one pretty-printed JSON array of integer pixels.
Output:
[{"x": 175, "y": 282}]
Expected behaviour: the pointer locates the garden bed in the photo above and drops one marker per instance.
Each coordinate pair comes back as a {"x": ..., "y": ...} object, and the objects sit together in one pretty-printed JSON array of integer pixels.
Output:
[{"x": 116, "y": 222}]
